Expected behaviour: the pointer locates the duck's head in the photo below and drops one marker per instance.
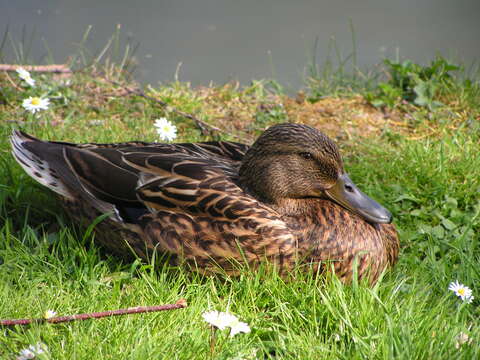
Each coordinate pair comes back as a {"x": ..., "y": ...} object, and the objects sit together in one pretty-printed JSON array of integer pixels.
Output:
[{"x": 295, "y": 161}]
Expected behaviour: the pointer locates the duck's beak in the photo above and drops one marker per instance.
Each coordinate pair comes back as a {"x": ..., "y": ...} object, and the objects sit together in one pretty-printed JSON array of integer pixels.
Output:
[{"x": 346, "y": 193}]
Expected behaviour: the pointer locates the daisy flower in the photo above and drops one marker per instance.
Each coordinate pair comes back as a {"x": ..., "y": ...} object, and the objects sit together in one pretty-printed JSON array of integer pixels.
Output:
[
  {"x": 222, "y": 320},
  {"x": 49, "y": 314},
  {"x": 462, "y": 291},
  {"x": 34, "y": 104},
  {"x": 165, "y": 129},
  {"x": 218, "y": 319},
  {"x": 32, "y": 351},
  {"x": 25, "y": 354},
  {"x": 25, "y": 76}
]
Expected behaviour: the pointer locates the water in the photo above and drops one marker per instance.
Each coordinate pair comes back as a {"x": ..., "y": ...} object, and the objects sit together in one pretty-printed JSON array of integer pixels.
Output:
[{"x": 222, "y": 40}]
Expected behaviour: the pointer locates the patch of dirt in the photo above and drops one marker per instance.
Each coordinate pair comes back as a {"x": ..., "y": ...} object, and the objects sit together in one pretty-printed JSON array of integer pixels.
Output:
[{"x": 340, "y": 118}]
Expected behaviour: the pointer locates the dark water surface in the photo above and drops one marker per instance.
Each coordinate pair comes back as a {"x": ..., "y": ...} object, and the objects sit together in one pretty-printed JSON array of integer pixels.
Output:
[{"x": 221, "y": 40}]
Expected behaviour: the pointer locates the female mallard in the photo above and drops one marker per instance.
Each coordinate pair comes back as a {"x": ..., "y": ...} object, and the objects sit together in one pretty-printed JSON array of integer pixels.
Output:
[{"x": 286, "y": 198}]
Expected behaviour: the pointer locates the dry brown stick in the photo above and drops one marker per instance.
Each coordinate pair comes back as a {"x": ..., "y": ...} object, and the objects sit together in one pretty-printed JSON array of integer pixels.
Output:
[
  {"x": 180, "y": 304},
  {"x": 55, "y": 68}
]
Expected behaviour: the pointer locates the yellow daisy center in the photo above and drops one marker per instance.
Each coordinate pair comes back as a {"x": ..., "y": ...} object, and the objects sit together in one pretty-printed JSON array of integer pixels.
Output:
[
  {"x": 461, "y": 291},
  {"x": 35, "y": 101}
]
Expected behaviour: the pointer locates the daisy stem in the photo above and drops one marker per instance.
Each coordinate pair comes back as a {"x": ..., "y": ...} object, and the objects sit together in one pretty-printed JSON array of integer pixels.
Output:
[
  {"x": 212, "y": 341},
  {"x": 180, "y": 304}
]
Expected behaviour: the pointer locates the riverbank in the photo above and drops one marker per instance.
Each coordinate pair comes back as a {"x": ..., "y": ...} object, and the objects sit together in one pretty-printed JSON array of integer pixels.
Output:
[{"x": 410, "y": 141}]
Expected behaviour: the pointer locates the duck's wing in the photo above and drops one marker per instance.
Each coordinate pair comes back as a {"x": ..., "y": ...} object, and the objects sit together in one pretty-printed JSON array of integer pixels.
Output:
[
  {"x": 99, "y": 173},
  {"x": 199, "y": 212},
  {"x": 184, "y": 196}
]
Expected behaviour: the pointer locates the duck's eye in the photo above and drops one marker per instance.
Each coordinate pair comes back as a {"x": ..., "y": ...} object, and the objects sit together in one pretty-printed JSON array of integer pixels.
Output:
[
  {"x": 349, "y": 188},
  {"x": 306, "y": 155}
]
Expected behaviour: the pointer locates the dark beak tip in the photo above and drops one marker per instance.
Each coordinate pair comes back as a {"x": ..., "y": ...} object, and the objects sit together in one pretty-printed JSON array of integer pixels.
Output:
[
  {"x": 387, "y": 219},
  {"x": 382, "y": 217}
]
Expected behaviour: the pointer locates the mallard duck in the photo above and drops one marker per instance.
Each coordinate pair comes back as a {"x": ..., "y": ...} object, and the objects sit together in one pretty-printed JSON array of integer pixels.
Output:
[{"x": 286, "y": 198}]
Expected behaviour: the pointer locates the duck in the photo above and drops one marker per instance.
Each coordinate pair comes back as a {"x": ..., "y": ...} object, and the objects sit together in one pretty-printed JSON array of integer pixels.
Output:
[{"x": 286, "y": 199}]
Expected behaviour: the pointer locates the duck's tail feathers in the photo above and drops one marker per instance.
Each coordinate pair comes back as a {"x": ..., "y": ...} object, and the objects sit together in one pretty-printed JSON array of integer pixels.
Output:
[
  {"x": 45, "y": 162},
  {"x": 26, "y": 150}
]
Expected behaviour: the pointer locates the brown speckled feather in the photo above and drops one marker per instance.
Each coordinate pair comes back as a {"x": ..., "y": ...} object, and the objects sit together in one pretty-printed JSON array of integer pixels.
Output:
[{"x": 188, "y": 200}]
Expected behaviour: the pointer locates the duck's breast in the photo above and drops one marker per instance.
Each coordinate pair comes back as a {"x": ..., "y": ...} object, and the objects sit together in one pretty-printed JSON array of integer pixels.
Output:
[{"x": 332, "y": 235}]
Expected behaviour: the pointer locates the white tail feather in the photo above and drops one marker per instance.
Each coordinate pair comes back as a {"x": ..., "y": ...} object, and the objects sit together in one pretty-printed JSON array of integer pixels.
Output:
[{"x": 37, "y": 168}]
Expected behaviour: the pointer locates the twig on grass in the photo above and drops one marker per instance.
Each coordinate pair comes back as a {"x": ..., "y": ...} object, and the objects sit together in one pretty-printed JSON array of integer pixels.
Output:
[
  {"x": 55, "y": 68},
  {"x": 180, "y": 304}
]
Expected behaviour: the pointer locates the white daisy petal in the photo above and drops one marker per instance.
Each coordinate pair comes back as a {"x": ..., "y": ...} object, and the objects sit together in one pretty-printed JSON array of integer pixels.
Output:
[
  {"x": 25, "y": 76},
  {"x": 239, "y": 327},
  {"x": 30, "y": 81},
  {"x": 453, "y": 286},
  {"x": 222, "y": 320},
  {"x": 25, "y": 354},
  {"x": 165, "y": 129},
  {"x": 210, "y": 317},
  {"x": 34, "y": 104},
  {"x": 22, "y": 73},
  {"x": 217, "y": 319},
  {"x": 32, "y": 351}
]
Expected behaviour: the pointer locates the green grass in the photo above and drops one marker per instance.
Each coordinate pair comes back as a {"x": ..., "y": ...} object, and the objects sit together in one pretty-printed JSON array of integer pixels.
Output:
[{"x": 431, "y": 185}]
